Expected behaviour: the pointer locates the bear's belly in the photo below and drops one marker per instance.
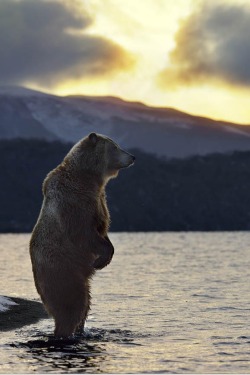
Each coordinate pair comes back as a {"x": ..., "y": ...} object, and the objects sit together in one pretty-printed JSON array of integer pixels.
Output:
[
  {"x": 102, "y": 227},
  {"x": 102, "y": 219}
]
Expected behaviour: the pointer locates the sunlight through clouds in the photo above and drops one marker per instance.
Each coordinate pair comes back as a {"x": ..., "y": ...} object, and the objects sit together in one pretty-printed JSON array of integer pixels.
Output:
[
  {"x": 189, "y": 54},
  {"x": 149, "y": 33}
]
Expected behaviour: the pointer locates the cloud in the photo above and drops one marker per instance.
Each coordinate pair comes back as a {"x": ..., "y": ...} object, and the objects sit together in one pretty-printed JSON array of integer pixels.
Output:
[
  {"x": 212, "y": 44},
  {"x": 46, "y": 42}
]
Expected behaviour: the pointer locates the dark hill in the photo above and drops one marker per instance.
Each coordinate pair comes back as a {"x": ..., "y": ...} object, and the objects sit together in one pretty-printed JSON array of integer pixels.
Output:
[{"x": 202, "y": 193}]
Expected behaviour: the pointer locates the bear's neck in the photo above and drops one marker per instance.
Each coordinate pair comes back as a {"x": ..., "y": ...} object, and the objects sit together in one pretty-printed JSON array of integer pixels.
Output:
[
  {"x": 91, "y": 181},
  {"x": 84, "y": 181}
]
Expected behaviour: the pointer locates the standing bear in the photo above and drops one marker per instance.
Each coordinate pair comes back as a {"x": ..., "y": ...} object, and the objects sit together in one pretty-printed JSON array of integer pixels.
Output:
[{"x": 69, "y": 241}]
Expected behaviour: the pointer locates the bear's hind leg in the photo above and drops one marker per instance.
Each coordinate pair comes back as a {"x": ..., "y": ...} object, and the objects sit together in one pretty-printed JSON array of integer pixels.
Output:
[
  {"x": 66, "y": 299},
  {"x": 66, "y": 305},
  {"x": 64, "y": 327},
  {"x": 68, "y": 318},
  {"x": 80, "y": 328},
  {"x": 87, "y": 302}
]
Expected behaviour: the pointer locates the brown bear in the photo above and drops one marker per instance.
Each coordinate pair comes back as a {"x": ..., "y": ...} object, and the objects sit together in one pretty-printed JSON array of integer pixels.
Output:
[{"x": 69, "y": 241}]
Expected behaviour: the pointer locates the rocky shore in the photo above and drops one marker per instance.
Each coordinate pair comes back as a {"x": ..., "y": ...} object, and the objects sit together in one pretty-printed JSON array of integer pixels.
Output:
[{"x": 17, "y": 312}]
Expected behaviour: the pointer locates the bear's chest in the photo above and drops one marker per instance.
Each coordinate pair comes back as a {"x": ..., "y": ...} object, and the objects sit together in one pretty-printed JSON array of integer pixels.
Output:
[{"x": 102, "y": 217}]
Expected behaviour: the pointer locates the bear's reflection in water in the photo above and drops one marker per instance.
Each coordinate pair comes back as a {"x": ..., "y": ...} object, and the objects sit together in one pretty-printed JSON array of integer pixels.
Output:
[
  {"x": 52, "y": 355},
  {"x": 75, "y": 354}
]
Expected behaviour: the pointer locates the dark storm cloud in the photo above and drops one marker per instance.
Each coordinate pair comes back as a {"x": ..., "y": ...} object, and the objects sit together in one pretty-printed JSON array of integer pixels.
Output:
[
  {"x": 211, "y": 44},
  {"x": 45, "y": 41}
]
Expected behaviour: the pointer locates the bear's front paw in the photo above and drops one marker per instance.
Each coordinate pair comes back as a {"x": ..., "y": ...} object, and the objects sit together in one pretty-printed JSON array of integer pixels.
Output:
[
  {"x": 104, "y": 259},
  {"x": 101, "y": 262}
]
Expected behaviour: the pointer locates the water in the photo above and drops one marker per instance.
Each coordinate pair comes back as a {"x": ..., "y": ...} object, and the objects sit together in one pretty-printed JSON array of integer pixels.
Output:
[{"x": 169, "y": 302}]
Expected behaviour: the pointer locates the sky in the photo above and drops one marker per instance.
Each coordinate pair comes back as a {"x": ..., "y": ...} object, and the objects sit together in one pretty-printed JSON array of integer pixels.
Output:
[{"x": 192, "y": 55}]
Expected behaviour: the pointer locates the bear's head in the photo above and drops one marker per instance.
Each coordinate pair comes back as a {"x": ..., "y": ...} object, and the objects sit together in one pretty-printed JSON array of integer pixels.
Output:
[{"x": 100, "y": 155}]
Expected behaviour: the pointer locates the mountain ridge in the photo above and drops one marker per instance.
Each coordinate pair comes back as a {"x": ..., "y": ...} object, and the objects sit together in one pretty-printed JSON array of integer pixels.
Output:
[{"x": 29, "y": 114}]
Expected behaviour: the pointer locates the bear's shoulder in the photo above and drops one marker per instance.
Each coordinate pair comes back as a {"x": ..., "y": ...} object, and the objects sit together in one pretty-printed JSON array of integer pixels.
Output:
[{"x": 52, "y": 181}]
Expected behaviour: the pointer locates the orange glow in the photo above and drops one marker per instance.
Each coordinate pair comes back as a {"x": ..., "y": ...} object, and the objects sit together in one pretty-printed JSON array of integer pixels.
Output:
[{"x": 146, "y": 31}]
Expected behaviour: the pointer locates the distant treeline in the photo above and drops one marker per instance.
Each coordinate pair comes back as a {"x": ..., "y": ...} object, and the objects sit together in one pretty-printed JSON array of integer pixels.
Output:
[{"x": 202, "y": 193}]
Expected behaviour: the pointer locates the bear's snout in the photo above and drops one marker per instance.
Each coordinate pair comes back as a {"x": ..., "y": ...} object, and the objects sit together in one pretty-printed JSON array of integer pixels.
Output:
[
  {"x": 127, "y": 159},
  {"x": 132, "y": 159}
]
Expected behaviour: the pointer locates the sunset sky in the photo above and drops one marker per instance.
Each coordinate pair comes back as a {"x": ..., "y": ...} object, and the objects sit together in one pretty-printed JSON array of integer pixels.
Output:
[{"x": 193, "y": 55}]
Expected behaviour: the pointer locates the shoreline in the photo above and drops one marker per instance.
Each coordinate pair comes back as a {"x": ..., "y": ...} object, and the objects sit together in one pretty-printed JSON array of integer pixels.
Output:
[{"x": 22, "y": 313}]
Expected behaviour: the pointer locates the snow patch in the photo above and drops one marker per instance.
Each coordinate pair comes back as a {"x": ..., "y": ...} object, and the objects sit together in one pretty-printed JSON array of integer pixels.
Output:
[
  {"x": 237, "y": 131},
  {"x": 5, "y": 303},
  {"x": 18, "y": 91}
]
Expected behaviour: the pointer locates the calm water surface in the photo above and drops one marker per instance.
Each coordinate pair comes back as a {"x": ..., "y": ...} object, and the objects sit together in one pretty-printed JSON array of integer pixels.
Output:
[{"x": 169, "y": 302}]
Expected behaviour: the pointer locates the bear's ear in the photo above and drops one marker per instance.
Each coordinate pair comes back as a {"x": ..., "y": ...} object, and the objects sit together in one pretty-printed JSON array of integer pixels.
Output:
[{"x": 93, "y": 138}]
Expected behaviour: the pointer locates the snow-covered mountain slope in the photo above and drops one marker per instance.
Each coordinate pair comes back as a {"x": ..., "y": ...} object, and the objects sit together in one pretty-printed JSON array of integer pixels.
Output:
[{"x": 26, "y": 113}]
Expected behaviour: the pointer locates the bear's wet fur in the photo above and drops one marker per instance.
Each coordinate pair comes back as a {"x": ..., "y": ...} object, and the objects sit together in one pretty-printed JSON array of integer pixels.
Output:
[{"x": 70, "y": 239}]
